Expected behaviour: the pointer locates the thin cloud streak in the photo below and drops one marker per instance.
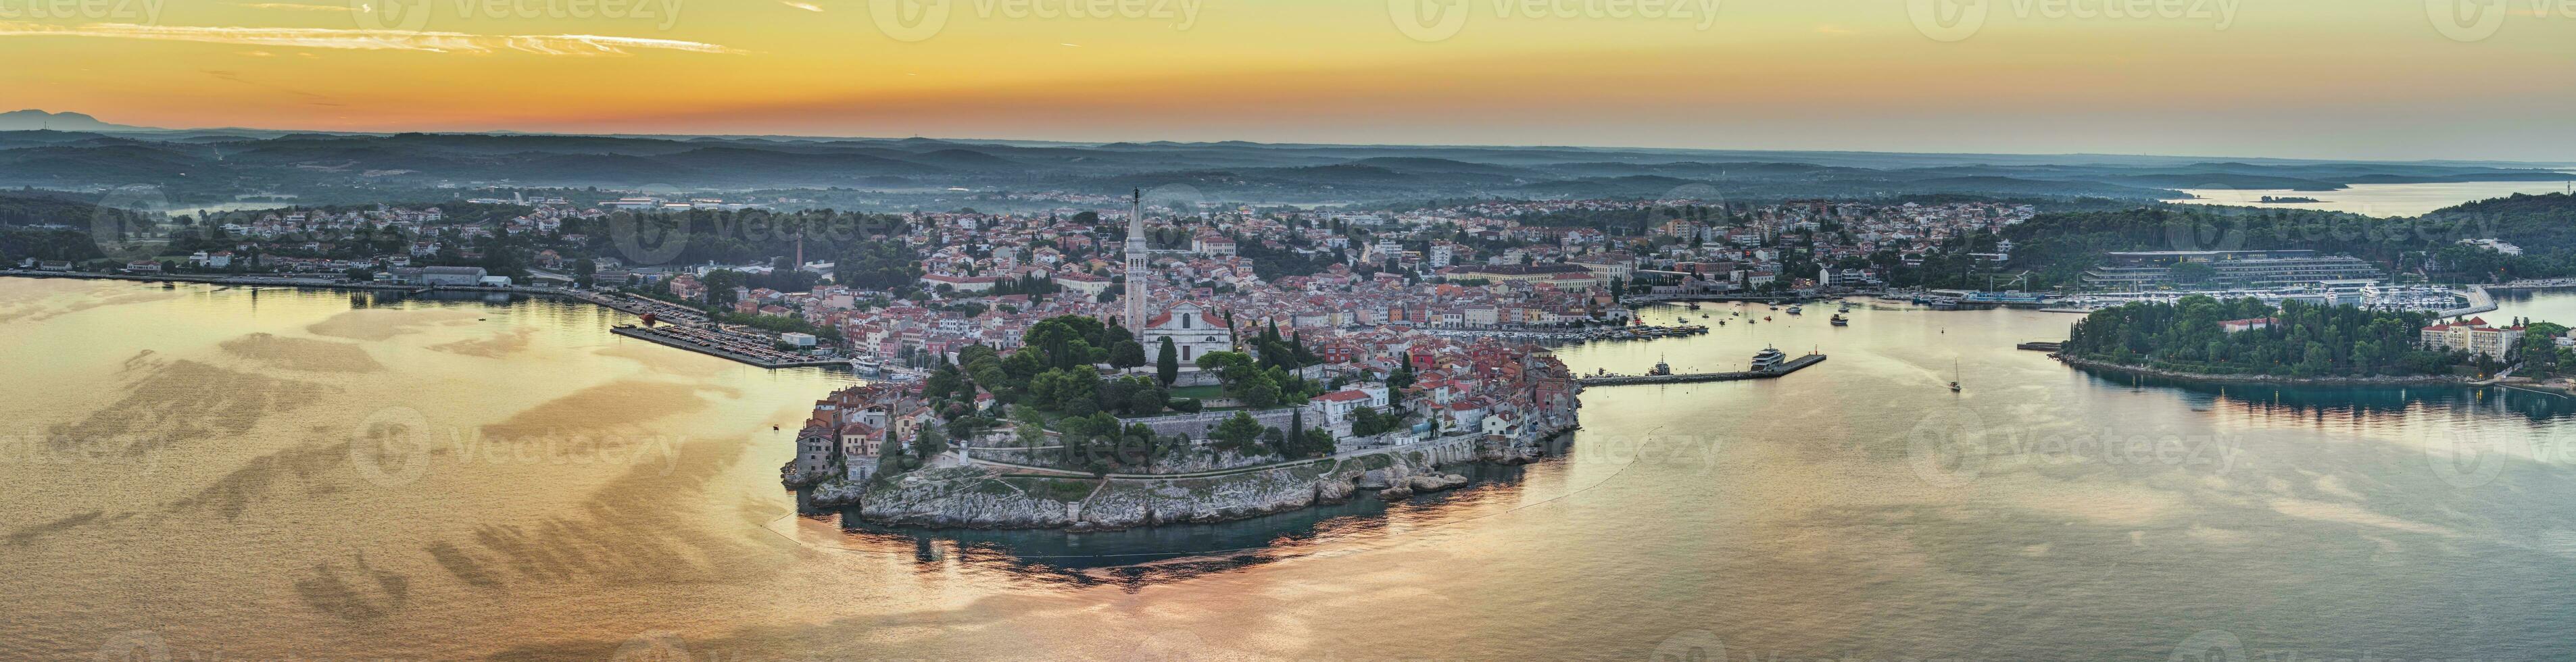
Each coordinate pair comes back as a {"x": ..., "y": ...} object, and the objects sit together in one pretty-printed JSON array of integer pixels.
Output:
[
  {"x": 435, "y": 42},
  {"x": 295, "y": 6}
]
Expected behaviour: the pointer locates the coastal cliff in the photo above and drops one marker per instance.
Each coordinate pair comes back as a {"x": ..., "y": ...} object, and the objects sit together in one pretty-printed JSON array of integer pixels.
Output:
[{"x": 990, "y": 498}]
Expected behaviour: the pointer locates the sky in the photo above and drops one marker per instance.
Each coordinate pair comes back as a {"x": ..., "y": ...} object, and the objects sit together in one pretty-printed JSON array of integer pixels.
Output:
[{"x": 2347, "y": 79}]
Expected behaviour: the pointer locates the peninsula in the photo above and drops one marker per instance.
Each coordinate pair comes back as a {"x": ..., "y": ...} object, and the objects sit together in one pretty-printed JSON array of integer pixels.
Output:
[{"x": 1261, "y": 397}]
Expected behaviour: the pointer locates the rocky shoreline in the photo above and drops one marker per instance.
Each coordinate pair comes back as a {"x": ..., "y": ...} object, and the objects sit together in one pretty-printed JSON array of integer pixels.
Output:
[
  {"x": 2273, "y": 380},
  {"x": 985, "y": 498}
]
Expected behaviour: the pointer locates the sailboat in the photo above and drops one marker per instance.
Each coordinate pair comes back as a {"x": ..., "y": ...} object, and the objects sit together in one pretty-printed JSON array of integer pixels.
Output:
[{"x": 1954, "y": 375}]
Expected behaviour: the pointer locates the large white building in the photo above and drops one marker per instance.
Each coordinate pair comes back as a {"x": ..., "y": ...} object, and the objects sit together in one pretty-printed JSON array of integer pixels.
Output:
[
  {"x": 2472, "y": 336},
  {"x": 1194, "y": 332}
]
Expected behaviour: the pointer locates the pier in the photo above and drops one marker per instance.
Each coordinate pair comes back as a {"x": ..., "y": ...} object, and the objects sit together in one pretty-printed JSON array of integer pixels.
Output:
[
  {"x": 717, "y": 343},
  {"x": 1793, "y": 365},
  {"x": 2479, "y": 301}
]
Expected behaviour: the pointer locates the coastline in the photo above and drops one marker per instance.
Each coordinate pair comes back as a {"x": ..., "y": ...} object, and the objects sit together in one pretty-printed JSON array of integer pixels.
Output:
[
  {"x": 2272, "y": 380},
  {"x": 991, "y": 499},
  {"x": 603, "y": 301}
]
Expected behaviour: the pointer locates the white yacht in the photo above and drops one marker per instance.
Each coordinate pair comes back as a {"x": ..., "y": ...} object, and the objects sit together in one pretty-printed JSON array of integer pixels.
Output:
[{"x": 1768, "y": 359}]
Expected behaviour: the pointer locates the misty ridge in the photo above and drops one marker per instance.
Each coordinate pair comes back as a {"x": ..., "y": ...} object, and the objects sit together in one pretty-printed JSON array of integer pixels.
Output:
[{"x": 76, "y": 153}]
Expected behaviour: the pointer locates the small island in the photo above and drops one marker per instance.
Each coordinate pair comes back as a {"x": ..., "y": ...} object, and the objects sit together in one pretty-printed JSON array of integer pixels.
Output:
[{"x": 2200, "y": 338}]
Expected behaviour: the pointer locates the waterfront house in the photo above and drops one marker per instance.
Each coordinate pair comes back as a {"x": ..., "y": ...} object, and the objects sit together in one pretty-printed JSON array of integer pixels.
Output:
[{"x": 2472, "y": 336}]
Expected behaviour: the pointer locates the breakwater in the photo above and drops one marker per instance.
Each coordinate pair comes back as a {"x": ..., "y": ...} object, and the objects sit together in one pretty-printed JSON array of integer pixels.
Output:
[{"x": 1793, "y": 365}]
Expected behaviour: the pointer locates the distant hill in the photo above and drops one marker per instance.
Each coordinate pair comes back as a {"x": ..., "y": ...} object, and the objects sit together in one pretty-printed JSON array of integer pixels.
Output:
[
  {"x": 37, "y": 120},
  {"x": 78, "y": 152}
]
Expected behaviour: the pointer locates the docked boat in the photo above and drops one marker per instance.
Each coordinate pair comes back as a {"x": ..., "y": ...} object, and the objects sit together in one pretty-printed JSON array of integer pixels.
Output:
[
  {"x": 1694, "y": 305},
  {"x": 1661, "y": 369},
  {"x": 1768, "y": 359}
]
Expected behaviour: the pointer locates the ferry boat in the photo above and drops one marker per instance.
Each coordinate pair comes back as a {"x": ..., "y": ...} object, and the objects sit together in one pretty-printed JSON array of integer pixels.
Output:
[
  {"x": 1768, "y": 359},
  {"x": 867, "y": 363}
]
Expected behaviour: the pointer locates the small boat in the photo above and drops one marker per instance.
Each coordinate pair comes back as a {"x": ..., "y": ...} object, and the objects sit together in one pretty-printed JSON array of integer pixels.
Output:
[
  {"x": 1694, "y": 306},
  {"x": 1661, "y": 369},
  {"x": 1794, "y": 310},
  {"x": 1839, "y": 320},
  {"x": 1766, "y": 318}
]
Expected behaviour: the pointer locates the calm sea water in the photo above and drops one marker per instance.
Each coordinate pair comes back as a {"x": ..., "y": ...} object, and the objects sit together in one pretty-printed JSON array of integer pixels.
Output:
[
  {"x": 2381, "y": 199},
  {"x": 205, "y": 472}
]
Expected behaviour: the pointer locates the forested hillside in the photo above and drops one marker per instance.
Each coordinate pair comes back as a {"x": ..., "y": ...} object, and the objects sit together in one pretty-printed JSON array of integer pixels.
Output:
[
  {"x": 2057, "y": 247},
  {"x": 2301, "y": 340}
]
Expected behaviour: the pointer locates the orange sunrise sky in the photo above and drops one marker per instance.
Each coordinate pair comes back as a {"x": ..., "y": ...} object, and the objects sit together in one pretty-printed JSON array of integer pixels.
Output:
[{"x": 2448, "y": 79}]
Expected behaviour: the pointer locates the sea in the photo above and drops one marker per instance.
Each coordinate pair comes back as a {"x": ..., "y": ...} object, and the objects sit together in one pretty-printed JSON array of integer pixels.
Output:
[{"x": 201, "y": 472}]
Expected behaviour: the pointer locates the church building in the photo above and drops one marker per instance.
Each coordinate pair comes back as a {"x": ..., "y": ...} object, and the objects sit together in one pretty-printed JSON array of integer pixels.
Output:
[{"x": 1194, "y": 331}]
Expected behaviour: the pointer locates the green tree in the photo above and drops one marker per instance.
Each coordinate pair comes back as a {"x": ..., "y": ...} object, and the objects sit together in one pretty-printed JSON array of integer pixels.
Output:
[
  {"x": 1127, "y": 354},
  {"x": 1167, "y": 366},
  {"x": 929, "y": 441},
  {"x": 1238, "y": 432}
]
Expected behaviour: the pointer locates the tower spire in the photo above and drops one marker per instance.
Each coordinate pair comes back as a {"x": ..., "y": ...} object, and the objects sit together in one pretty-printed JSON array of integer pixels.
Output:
[{"x": 1136, "y": 254}]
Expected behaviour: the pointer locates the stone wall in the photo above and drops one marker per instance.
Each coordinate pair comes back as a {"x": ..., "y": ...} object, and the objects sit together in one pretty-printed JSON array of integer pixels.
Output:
[{"x": 1196, "y": 426}]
